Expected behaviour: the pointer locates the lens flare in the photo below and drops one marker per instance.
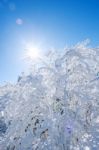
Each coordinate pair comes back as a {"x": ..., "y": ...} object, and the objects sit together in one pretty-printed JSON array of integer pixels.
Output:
[{"x": 19, "y": 21}]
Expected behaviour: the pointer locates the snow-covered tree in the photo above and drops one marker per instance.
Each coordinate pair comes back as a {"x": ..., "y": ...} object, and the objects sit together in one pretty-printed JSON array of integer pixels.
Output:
[{"x": 56, "y": 105}]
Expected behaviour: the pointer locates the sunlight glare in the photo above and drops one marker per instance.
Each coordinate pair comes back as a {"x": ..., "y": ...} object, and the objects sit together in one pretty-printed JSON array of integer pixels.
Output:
[{"x": 32, "y": 53}]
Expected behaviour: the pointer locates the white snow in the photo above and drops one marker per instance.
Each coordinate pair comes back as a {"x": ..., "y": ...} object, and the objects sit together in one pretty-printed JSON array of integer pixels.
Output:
[{"x": 54, "y": 106}]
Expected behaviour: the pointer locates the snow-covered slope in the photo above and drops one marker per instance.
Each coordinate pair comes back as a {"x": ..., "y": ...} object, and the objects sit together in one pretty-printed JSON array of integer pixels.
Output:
[{"x": 55, "y": 106}]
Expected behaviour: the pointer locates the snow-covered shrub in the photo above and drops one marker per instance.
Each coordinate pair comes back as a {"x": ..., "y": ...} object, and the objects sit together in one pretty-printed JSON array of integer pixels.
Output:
[{"x": 55, "y": 106}]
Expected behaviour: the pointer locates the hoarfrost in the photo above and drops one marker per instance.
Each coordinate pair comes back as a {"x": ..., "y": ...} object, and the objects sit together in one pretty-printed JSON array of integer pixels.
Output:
[{"x": 55, "y": 106}]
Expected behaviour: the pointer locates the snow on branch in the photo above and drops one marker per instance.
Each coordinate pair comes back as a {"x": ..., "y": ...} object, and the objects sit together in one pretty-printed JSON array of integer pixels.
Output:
[{"x": 55, "y": 106}]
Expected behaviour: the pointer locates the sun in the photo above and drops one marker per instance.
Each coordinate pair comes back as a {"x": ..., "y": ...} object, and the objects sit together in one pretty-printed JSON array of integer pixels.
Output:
[{"x": 32, "y": 52}]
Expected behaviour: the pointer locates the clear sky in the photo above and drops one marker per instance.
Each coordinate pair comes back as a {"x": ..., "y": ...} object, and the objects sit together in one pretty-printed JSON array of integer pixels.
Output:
[{"x": 44, "y": 24}]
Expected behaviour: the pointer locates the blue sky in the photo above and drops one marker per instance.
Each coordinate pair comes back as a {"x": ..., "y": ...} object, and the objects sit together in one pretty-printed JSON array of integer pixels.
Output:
[{"x": 45, "y": 24}]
